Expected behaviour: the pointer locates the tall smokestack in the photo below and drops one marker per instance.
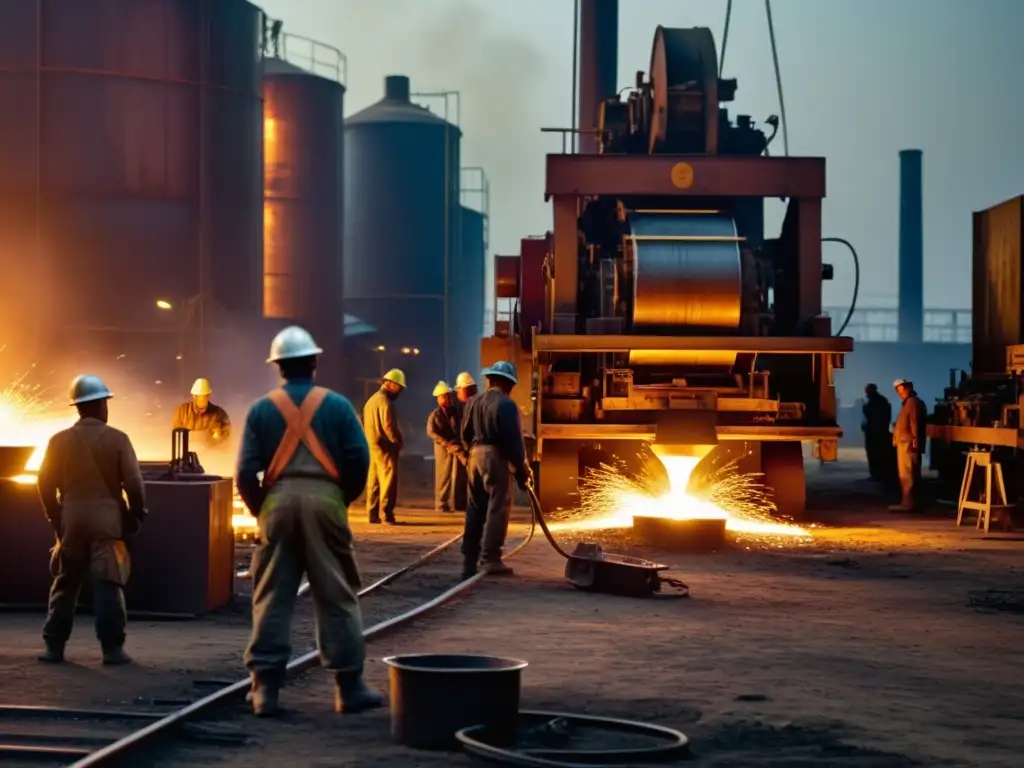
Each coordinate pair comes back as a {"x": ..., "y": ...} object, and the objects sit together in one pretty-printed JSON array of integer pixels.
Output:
[
  {"x": 911, "y": 311},
  {"x": 599, "y": 64}
]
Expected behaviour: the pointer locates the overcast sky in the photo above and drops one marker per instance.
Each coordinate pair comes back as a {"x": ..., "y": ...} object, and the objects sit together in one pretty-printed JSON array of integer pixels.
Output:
[{"x": 862, "y": 79}]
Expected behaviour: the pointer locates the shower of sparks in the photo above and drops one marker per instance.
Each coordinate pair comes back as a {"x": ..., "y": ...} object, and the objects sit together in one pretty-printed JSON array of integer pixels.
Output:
[
  {"x": 30, "y": 417},
  {"x": 611, "y": 498}
]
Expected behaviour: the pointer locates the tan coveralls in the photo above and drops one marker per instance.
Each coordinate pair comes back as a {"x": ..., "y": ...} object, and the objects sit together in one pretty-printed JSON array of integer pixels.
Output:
[
  {"x": 385, "y": 440},
  {"x": 909, "y": 436},
  {"x": 304, "y": 529},
  {"x": 211, "y": 425},
  {"x": 450, "y": 480},
  {"x": 80, "y": 484}
]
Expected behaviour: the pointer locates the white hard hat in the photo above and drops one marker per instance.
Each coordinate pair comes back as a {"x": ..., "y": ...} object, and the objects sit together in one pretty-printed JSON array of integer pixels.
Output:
[
  {"x": 291, "y": 343},
  {"x": 395, "y": 376},
  {"x": 442, "y": 388},
  {"x": 201, "y": 387},
  {"x": 503, "y": 369},
  {"x": 899, "y": 383},
  {"x": 87, "y": 388},
  {"x": 464, "y": 380}
]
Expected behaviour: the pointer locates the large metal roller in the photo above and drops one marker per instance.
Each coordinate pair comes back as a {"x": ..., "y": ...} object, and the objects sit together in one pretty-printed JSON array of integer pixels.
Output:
[{"x": 687, "y": 279}]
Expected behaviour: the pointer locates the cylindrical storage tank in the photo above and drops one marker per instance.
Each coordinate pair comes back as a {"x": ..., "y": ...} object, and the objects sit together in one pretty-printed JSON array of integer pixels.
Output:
[
  {"x": 466, "y": 293},
  {"x": 130, "y": 144},
  {"x": 303, "y": 209},
  {"x": 402, "y": 235}
]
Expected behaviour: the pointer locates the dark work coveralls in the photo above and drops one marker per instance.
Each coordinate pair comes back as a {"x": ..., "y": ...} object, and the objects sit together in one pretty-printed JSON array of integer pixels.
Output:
[
  {"x": 80, "y": 484},
  {"x": 492, "y": 431},
  {"x": 308, "y": 442},
  {"x": 384, "y": 437},
  {"x": 450, "y": 484},
  {"x": 877, "y": 440}
]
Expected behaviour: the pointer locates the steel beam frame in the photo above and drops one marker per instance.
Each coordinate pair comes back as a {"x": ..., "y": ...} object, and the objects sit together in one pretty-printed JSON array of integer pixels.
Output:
[
  {"x": 648, "y": 432},
  {"x": 768, "y": 345}
]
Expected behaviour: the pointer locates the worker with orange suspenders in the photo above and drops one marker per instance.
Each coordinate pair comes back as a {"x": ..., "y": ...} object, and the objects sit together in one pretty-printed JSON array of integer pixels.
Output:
[{"x": 309, "y": 445}]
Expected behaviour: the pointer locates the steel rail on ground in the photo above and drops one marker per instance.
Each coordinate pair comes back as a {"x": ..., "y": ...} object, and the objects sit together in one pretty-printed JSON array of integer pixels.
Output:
[{"x": 118, "y": 751}]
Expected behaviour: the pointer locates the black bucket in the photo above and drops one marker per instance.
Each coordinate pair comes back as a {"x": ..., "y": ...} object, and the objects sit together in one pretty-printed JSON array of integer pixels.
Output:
[{"x": 434, "y": 695}]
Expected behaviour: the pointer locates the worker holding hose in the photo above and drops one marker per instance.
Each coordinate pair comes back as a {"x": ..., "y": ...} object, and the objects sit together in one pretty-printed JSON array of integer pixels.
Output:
[
  {"x": 443, "y": 430},
  {"x": 87, "y": 472},
  {"x": 492, "y": 432},
  {"x": 307, "y": 442}
]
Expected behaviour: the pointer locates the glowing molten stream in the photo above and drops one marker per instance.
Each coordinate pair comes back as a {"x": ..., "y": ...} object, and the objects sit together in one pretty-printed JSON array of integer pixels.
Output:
[{"x": 610, "y": 500}]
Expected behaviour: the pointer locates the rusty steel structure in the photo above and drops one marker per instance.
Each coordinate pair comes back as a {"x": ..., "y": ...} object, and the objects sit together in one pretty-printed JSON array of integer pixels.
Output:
[
  {"x": 982, "y": 408},
  {"x": 657, "y": 309}
]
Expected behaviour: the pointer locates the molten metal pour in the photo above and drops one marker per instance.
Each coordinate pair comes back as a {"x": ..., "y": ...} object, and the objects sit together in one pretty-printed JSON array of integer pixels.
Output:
[{"x": 609, "y": 499}]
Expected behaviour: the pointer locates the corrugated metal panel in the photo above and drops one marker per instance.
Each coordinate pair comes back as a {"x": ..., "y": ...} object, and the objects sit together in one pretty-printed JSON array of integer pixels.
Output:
[
  {"x": 303, "y": 207},
  {"x": 998, "y": 284},
  {"x": 466, "y": 317},
  {"x": 134, "y": 128},
  {"x": 402, "y": 232}
]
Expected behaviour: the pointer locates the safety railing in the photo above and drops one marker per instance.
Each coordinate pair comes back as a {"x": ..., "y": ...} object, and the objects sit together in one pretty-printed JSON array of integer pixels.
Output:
[{"x": 941, "y": 326}]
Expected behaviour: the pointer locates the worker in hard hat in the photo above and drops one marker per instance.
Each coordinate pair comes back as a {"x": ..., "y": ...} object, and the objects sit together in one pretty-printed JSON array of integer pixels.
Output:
[
  {"x": 201, "y": 417},
  {"x": 307, "y": 442},
  {"x": 465, "y": 388},
  {"x": 443, "y": 430},
  {"x": 386, "y": 442},
  {"x": 492, "y": 431},
  {"x": 909, "y": 437},
  {"x": 87, "y": 472}
]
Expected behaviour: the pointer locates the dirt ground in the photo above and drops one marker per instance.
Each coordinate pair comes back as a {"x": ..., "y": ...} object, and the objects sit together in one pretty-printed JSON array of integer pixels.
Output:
[{"x": 884, "y": 642}]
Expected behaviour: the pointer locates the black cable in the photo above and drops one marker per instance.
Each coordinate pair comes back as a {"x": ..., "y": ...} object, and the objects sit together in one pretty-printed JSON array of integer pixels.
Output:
[
  {"x": 725, "y": 37},
  {"x": 778, "y": 77},
  {"x": 856, "y": 279}
]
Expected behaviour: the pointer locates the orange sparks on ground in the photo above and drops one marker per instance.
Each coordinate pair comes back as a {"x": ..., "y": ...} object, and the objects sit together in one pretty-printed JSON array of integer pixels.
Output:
[{"x": 610, "y": 499}]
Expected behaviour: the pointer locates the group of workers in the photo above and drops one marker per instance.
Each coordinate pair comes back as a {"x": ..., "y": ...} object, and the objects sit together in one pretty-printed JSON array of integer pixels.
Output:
[
  {"x": 315, "y": 459},
  {"x": 901, "y": 449}
]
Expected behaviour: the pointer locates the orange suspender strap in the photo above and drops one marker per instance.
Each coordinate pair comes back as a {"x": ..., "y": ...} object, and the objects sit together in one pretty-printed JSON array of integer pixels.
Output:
[{"x": 297, "y": 430}]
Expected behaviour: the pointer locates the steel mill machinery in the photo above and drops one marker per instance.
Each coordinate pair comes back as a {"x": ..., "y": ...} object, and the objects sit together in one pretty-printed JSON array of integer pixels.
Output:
[
  {"x": 982, "y": 409},
  {"x": 657, "y": 310}
]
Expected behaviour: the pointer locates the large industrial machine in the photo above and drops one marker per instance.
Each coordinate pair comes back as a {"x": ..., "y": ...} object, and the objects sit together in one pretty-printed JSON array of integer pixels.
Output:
[
  {"x": 657, "y": 310},
  {"x": 981, "y": 410}
]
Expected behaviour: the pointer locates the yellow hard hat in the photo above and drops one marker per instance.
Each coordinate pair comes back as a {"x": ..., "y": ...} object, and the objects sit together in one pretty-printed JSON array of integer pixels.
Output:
[
  {"x": 201, "y": 387},
  {"x": 464, "y": 380},
  {"x": 396, "y": 376},
  {"x": 442, "y": 388}
]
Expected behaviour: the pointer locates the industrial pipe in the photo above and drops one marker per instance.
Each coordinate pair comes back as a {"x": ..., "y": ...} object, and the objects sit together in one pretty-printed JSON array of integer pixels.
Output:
[
  {"x": 911, "y": 258},
  {"x": 598, "y": 65}
]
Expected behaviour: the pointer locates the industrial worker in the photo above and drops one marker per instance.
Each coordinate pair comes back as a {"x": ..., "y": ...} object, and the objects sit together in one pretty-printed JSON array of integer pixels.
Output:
[
  {"x": 492, "y": 432},
  {"x": 465, "y": 387},
  {"x": 308, "y": 443},
  {"x": 385, "y": 439},
  {"x": 443, "y": 429},
  {"x": 877, "y": 413},
  {"x": 201, "y": 417},
  {"x": 84, "y": 478},
  {"x": 909, "y": 437}
]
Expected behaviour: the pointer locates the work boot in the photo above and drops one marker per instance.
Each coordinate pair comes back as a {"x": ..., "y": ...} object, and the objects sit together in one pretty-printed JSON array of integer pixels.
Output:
[
  {"x": 497, "y": 568},
  {"x": 468, "y": 569},
  {"x": 352, "y": 695},
  {"x": 263, "y": 695},
  {"x": 54, "y": 654},
  {"x": 115, "y": 655}
]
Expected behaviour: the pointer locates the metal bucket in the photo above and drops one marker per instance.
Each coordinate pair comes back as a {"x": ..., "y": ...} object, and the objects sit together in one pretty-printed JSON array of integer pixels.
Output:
[{"x": 434, "y": 695}]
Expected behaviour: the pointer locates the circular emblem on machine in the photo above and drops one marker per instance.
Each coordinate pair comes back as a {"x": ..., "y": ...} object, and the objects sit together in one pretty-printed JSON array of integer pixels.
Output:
[{"x": 682, "y": 176}]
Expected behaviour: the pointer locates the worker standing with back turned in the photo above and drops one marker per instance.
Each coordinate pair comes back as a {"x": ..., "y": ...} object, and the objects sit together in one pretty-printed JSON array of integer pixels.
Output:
[
  {"x": 877, "y": 441},
  {"x": 492, "y": 431},
  {"x": 308, "y": 443},
  {"x": 85, "y": 475},
  {"x": 909, "y": 436},
  {"x": 386, "y": 442},
  {"x": 465, "y": 390},
  {"x": 201, "y": 417},
  {"x": 443, "y": 429}
]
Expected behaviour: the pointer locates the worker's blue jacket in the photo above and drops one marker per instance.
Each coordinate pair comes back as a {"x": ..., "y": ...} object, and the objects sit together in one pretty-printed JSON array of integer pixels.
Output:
[{"x": 335, "y": 424}]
